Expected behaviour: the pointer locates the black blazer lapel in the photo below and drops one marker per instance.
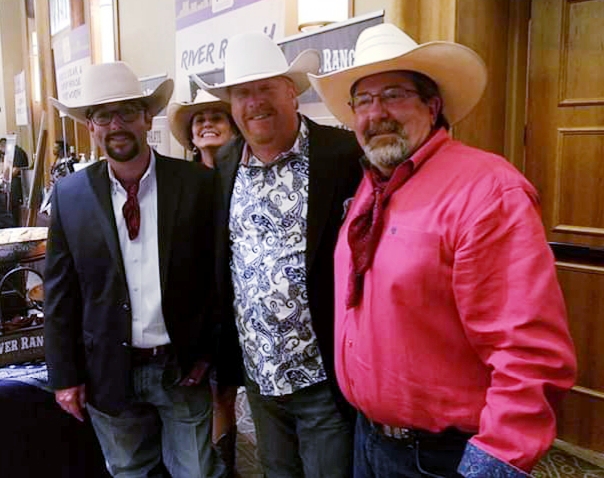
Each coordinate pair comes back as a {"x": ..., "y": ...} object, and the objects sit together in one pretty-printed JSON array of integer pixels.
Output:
[
  {"x": 169, "y": 191},
  {"x": 226, "y": 169},
  {"x": 321, "y": 188},
  {"x": 101, "y": 188}
]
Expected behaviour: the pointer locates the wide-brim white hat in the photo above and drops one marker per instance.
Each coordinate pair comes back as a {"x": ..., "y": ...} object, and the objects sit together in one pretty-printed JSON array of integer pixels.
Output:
[
  {"x": 110, "y": 83},
  {"x": 458, "y": 71},
  {"x": 254, "y": 56},
  {"x": 181, "y": 114}
]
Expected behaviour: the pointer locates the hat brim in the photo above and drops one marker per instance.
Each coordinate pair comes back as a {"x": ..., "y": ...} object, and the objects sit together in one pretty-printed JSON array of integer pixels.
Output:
[
  {"x": 156, "y": 101},
  {"x": 307, "y": 62},
  {"x": 458, "y": 71},
  {"x": 180, "y": 116}
]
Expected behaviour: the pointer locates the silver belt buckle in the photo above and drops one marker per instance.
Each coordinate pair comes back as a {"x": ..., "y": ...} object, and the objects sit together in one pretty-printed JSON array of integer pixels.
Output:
[{"x": 397, "y": 432}]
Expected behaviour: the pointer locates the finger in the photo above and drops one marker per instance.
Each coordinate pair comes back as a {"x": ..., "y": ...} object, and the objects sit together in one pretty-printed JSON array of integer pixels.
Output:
[
  {"x": 73, "y": 409},
  {"x": 189, "y": 381},
  {"x": 82, "y": 397},
  {"x": 78, "y": 412}
]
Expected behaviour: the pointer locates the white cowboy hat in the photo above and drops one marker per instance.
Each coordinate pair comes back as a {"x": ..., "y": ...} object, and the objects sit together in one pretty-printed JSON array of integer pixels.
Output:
[
  {"x": 458, "y": 71},
  {"x": 110, "y": 83},
  {"x": 181, "y": 114},
  {"x": 254, "y": 56}
]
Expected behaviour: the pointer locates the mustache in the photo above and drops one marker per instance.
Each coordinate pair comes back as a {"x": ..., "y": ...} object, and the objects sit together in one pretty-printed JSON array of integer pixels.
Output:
[
  {"x": 258, "y": 110},
  {"x": 120, "y": 133},
  {"x": 383, "y": 127}
]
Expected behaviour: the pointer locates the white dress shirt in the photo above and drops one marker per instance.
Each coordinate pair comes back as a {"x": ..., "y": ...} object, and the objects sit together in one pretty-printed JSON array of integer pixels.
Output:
[{"x": 141, "y": 260}]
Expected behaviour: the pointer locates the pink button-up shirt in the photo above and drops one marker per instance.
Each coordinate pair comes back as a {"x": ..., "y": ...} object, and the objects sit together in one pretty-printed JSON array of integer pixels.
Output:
[{"x": 462, "y": 322}]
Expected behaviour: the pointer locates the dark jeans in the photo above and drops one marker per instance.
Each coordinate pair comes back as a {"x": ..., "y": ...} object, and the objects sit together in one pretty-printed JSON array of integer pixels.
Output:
[
  {"x": 302, "y": 434},
  {"x": 379, "y": 456}
]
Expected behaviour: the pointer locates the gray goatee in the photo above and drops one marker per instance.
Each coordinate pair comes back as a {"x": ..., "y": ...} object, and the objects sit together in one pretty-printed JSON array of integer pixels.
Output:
[{"x": 386, "y": 152}]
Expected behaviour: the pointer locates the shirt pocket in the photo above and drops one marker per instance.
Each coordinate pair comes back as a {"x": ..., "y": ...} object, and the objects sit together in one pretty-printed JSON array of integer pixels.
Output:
[{"x": 407, "y": 266}]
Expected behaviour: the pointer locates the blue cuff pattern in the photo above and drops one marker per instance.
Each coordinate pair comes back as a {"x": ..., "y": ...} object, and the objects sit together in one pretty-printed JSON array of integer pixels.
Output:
[{"x": 477, "y": 463}]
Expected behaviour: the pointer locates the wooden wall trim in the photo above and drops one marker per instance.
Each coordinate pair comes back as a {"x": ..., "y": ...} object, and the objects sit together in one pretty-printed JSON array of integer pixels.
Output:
[
  {"x": 48, "y": 84},
  {"x": 517, "y": 82}
]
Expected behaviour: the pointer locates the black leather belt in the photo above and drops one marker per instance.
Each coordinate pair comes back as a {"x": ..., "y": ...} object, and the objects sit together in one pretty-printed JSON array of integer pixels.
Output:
[
  {"x": 427, "y": 440},
  {"x": 142, "y": 356}
]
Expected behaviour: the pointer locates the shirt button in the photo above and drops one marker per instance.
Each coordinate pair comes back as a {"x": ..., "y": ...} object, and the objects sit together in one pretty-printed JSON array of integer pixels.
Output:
[
  {"x": 350, "y": 343},
  {"x": 126, "y": 307}
]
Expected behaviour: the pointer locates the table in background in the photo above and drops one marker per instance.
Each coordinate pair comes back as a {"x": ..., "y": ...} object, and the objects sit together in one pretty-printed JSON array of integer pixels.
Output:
[{"x": 37, "y": 438}]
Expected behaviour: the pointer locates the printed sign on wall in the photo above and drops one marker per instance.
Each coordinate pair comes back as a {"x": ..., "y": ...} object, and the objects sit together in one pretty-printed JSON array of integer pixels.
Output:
[
  {"x": 203, "y": 28},
  {"x": 159, "y": 135},
  {"x": 335, "y": 44},
  {"x": 21, "y": 110},
  {"x": 72, "y": 57}
]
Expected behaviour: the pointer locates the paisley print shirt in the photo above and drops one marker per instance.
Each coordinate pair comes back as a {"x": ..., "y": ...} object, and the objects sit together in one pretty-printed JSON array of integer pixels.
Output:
[{"x": 267, "y": 232}]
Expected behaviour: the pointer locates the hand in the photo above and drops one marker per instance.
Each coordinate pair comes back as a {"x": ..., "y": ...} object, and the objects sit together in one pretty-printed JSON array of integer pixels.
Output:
[
  {"x": 196, "y": 374},
  {"x": 72, "y": 400}
]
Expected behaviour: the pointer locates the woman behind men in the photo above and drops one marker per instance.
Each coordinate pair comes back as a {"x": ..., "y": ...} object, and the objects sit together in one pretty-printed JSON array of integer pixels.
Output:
[{"x": 202, "y": 127}]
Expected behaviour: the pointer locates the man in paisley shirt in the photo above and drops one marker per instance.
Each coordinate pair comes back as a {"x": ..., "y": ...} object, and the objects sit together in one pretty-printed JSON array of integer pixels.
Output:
[
  {"x": 451, "y": 333},
  {"x": 282, "y": 189}
]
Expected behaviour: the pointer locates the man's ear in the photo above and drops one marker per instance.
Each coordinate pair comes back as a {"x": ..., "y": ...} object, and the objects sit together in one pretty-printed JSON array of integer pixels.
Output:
[
  {"x": 89, "y": 125},
  {"x": 148, "y": 120},
  {"x": 435, "y": 105}
]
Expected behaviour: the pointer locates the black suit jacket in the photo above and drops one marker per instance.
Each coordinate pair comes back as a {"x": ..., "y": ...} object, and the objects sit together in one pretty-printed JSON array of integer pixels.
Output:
[
  {"x": 88, "y": 320},
  {"x": 334, "y": 175}
]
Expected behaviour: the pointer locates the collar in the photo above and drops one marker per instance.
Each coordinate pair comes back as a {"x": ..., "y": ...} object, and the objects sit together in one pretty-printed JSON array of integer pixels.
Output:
[
  {"x": 423, "y": 153},
  {"x": 300, "y": 147},
  {"x": 147, "y": 176}
]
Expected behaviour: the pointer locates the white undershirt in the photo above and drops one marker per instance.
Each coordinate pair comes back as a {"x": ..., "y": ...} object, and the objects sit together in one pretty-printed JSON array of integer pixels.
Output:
[{"x": 141, "y": 260}]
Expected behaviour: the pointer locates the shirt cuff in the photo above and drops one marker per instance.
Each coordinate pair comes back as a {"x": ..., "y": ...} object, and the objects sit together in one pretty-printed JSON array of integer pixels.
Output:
[{"x": 477, "y": 463}]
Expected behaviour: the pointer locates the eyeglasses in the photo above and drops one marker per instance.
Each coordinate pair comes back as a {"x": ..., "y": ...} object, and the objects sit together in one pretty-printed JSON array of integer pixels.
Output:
[
  {"x": 127, "y": 113},
  {"x": 391, "y": 96}
]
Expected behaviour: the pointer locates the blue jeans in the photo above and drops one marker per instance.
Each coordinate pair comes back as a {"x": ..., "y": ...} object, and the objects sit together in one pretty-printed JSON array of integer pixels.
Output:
[
  {"x": 302, "y": 434},
  {"x": 165, "y": 422},
  {"x": 379, "y": 456}
]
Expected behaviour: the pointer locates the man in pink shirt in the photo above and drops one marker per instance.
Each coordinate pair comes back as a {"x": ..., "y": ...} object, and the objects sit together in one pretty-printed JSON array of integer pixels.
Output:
[{"x": 451, "y": 336}]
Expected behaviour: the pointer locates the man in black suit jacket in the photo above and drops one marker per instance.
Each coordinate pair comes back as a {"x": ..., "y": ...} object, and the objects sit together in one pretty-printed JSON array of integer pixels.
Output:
[
  {"x": 129, "y": 274},
  {"x": 279, "y": 207}
]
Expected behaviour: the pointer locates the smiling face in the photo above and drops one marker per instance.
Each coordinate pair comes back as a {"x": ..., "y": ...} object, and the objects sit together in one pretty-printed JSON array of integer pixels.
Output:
[
  {"x": 124, "y": 138},
  {"x": 210, "y": 128},
  {"x": 391, "y": 129},
  {"x": 266, "y": 113}
]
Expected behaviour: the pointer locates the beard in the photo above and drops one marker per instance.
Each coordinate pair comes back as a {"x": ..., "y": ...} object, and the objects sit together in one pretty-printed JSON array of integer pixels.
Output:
[
  {"x": 121, "y": 155},
  {"x": 386, "y": 152}
]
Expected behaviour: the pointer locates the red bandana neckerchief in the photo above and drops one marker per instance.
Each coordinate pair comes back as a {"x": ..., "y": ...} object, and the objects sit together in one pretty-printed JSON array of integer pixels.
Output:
[
  {"x": 132, "y": 211},
  {"x": 365, "y": 229}
]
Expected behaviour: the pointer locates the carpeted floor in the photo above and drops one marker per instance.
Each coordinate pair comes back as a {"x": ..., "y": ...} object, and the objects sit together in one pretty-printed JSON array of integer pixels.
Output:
[
  {"x": 559, "y": 464},
  {"x": 556, "y": 464}
]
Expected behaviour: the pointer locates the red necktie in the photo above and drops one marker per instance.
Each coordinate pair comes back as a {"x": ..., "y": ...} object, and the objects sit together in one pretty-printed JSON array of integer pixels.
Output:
[
  {"x": 132, "y": 211},
  {"x": 365, "y": 229}
]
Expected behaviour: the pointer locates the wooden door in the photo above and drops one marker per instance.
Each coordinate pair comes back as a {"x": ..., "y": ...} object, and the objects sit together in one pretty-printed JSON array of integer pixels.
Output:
[{"x": 565, "y": 160}]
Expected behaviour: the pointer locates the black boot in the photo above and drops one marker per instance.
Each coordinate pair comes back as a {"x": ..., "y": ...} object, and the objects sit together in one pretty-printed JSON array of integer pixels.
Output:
[{"x": 227, "y": 445}]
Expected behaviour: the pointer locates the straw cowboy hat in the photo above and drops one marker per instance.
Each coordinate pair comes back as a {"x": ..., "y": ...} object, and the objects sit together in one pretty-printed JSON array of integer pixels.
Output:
[
  {"x": 458, "y": 71},
  {"x": 110, "y": 83},
  {"x": 181, "y": 114},
  {"x": 254, "y": 56}
]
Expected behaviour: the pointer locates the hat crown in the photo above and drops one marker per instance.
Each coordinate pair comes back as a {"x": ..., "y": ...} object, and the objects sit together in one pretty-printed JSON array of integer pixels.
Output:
[
  {"x": 104, "y": 82},
  {"x": 242, "y": 57},
  {"x": 382, "y": 42},
  {"x": 202, "y": 96}
]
